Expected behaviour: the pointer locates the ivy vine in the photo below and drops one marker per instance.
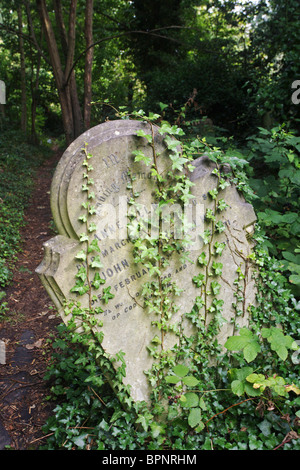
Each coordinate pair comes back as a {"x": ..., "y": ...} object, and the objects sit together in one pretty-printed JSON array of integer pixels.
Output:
[{"x": 182, "y": 378}]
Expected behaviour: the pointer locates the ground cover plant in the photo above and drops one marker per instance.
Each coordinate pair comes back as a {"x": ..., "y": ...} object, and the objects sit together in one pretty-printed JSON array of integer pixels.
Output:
[
  {"x": 235, "y": 65},
  {"x": 248, "y": 398},
  {"x": 18, "y": 164}
]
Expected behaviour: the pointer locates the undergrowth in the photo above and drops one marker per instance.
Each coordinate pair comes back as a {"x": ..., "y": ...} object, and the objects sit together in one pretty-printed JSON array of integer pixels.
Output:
[
  {"x": 247, "y": 399},
  {"x": 18, "y": 164}
]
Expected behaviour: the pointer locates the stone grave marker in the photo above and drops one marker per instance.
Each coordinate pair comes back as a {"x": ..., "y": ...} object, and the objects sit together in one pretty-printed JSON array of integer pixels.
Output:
[{"x": 126, "y": 324}]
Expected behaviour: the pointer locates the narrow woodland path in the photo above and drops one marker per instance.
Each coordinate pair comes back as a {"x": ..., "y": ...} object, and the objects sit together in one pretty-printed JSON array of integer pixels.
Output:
[{"x": 31, "y": 321}]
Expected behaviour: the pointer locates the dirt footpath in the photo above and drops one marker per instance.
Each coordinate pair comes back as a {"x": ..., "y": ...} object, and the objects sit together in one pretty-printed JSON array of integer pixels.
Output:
[{"x": 31, "y": 321}]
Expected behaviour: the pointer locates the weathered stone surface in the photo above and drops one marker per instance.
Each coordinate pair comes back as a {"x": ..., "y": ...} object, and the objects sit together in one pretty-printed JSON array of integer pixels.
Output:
[{"x": 126, "y": 324}]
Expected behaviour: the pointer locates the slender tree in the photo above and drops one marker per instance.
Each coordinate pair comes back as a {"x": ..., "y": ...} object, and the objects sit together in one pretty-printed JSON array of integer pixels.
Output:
[
  {"x": 22, "y": 71},
  {"x": 88, "y": 30}
]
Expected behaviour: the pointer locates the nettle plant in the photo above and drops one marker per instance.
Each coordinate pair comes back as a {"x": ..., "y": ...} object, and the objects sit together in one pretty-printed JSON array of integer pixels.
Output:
[{"x": 189, "y": 392}]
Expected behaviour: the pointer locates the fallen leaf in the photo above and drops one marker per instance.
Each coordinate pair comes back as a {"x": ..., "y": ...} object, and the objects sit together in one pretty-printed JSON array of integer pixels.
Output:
[{"x": 37, "y": 344}]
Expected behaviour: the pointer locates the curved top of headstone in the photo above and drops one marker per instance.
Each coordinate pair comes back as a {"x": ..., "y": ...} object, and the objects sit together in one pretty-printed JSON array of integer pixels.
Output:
[{"x": 111, "y": 145}]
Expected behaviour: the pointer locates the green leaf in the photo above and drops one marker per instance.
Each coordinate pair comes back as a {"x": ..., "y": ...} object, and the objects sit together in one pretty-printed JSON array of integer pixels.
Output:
[
  {"x": 94, "y": 246},
  {"x": 80, "y": 441},
  {"x": 219, "y": 247},
  {"x": 191, "y": 400},
  {"x": 198, "y": 280},
  {"x": 246, "y": 342},
  {"x": 215, "y": 286},
  {"x": 190, "y": 381},
  {"x": 194, "y": 418},
  {"x": 279, "y": 342},
  {"x": 141, "y": 133},
  {"x": 178, "y": 162},
  {"x": 217, "y": 267},
  {"x": 202, "y": 259},
  {"x": 80, "y": 288},
  {"x": 81, "y": 255},
  {"x": 172, "y": 379},
  {"x": 251, "y": 350},
  {"x": 295, "y": 279},
  {"x": 145, "y": 420},
  {"x": 237, "y": 387},
  {"x": 83, "y": 237},
  {"x": 82, "y": 274},
  {"x": 96, "y": 263},
  {"x": 181, "y": 370},
  {"x": 97, "y": 281},
  {"x": 141, "y": 157},
  {"x": 107, "y": 294}
]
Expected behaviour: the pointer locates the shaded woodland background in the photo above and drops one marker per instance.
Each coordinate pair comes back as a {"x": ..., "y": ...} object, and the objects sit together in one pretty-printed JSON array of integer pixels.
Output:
[
  {"x": 235, "y": 60},
  {"x": 225, "y": 70},
  {"x": 228, "y": 73}
]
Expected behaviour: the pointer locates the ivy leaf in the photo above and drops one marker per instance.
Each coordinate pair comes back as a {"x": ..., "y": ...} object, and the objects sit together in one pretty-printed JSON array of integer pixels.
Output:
[
  {"x": 141, "y": 133},
  {"x": 141, "y": 157},
  {"x": 219, "y": 247},
  {"x": 83, "y": 237},
  {"x": 178, "y": 162},
  {"x": 94, "y": 246},
  {"x": 213, "y": 193},
  {"x": 80, "y": 288},
  {"x": 96, "y": 263},
  {"x": 81, "y": 255},
  {"x": 82, "y": 218},
  {"x": 81, "y": 274},
  {"x": 97, "y": 281},
  {"x": 220, "y": 227},
  {"x": 92, "y": 227},
  {"x": 145, "y": 420},
  {"x": 217, "y": 267},
  {"x": 222, "y": 205},
  {"x": 198, "y": 280},
  {"x": 107, "y": 294},
  {"x": 202, "y": 259},
  {"x": 215, "y": 286}
]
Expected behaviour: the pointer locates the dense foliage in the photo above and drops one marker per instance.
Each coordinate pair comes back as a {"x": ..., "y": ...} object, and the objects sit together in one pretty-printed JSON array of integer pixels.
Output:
[
  {"x": 228, "y": 74},
  {"x": 18, "y": 163}
]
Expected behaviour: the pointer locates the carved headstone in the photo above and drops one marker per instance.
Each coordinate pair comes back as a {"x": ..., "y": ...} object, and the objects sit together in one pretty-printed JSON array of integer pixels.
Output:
[{"x": 126, "y": 324}]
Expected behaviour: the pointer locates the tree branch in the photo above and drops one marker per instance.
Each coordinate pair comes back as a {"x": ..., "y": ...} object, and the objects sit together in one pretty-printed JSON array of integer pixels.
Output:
[{"x": 108, "y": 38}]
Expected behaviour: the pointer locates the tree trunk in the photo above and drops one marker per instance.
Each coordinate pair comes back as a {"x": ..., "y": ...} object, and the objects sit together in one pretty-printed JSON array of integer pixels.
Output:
[
  {"x": 88, "y": 63},
  {"x": 71, "y": 112},
  {"x": 68, "y": 47},
  {"x": 23, "y": 72}
]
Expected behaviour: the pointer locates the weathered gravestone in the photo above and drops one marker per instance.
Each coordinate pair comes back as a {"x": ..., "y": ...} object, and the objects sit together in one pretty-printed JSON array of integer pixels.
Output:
[{"x": 127, "y": 326}]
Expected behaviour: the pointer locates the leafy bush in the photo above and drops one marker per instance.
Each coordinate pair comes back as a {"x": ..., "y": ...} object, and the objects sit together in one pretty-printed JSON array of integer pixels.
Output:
[
  {"x": 275, "y": 159},
  {"x": 18, "y": 162},
  {"x": 247, "y": 399}
]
